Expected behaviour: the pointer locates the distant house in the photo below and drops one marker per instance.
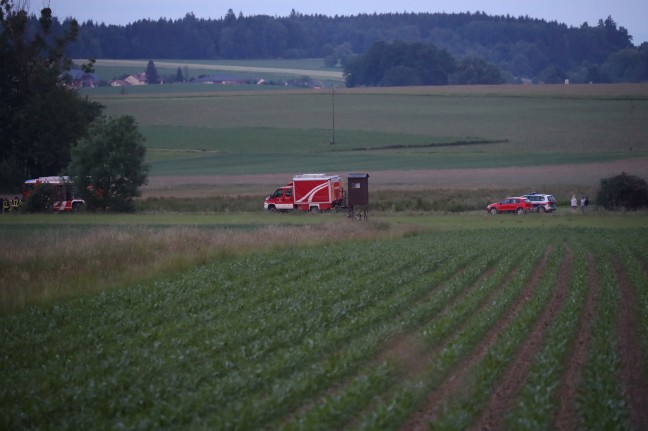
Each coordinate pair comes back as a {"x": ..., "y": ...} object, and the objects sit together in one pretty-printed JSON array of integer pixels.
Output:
[
  {"x": 79, "y": 79},
  {"x": 219, "y": 79},
  {"x": 139, "y": 79}
]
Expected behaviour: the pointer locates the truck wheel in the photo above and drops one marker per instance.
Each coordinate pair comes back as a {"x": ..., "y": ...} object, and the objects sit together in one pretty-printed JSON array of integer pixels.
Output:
[
  {"x": 78, "y": 208},
  {"x": 272, "y": 208},
  {"x": 314, "y": 210}
]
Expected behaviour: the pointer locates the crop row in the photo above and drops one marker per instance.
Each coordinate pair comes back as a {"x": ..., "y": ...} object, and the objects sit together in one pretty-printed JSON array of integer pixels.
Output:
[{"x": 359, "y": 335}]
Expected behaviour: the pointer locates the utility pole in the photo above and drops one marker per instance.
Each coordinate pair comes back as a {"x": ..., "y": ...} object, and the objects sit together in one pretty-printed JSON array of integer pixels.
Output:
[{"x": 333, "y": 106}]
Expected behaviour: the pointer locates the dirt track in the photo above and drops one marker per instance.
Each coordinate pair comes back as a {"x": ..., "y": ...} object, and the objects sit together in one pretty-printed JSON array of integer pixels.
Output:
[{"x": 586, "y": 175}]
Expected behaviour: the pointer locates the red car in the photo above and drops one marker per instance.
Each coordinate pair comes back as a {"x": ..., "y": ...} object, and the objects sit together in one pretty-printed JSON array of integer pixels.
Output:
[{"x": 516, "y": 204}]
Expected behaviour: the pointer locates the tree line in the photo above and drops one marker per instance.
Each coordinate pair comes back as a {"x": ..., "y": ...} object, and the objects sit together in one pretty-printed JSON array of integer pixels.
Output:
[
  {"x": 403, "y": 64},
  {"x": 521, "y": 47}
]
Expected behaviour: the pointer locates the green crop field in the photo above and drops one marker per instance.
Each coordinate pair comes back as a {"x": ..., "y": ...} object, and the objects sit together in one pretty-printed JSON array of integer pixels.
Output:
[{"x": 317, "y": 322}]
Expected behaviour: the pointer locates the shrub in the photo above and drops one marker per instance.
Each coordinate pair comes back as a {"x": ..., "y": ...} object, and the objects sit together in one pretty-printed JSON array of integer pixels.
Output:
[
  {"x": 623, "y": 191},
  {"x": 40, "y": 199}
]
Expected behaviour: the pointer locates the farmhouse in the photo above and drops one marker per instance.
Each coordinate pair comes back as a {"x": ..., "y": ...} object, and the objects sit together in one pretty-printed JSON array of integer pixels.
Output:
[{"x": 139, "y": 79}]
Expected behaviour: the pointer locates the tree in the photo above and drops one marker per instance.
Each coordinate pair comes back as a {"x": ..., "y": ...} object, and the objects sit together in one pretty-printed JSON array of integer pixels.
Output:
[
  {"x": 552, "y": 75},
  {"x": 623, "y": 191},
  {"x": 400, "y": 63},
  {"x": 152, "y": 75},
  {"x": 400, "y": 76},
  {"x": 41, "y": 115},
  {"x": 179, "y": 77},
  {"x": 473, "y": 70},
  {"x": 108, "y": 165},
  {"x": 627, "y": 65}
]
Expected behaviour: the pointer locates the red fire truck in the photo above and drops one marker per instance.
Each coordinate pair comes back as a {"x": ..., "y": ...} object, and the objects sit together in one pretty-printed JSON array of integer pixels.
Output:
[
  {"x": 307, "y": 192},
  {"x": 62, "y": 196}
]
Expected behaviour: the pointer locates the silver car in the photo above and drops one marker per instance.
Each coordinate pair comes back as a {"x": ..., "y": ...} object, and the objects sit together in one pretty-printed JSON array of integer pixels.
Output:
[{"x": 542, "y": 203}]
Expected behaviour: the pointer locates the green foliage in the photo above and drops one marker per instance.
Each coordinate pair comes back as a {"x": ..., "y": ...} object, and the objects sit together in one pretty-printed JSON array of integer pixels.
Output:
[
  {"x": 552, "y": 75},
  {"x": 474, "y": 70},
  {"x": 400, "y": 64},
  {"x": 108, "y": 166},
  {"x": 40, "y": 199},
  {"x": 41, "y": 116},
  {"x": 623, "y": 192}
]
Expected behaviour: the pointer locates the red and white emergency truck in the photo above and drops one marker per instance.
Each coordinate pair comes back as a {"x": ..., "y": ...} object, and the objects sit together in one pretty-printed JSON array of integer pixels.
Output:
[
  {"x": 307, "y": 192},
  {"x": 63, "y": 193}
]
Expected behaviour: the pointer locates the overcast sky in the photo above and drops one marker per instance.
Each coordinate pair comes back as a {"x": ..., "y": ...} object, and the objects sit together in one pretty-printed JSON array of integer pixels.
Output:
[{"x": 631, "y": 14}]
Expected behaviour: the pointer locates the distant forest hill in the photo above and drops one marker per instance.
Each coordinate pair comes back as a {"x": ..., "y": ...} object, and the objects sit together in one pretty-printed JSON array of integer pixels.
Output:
[{"x": 522, "y": 48}]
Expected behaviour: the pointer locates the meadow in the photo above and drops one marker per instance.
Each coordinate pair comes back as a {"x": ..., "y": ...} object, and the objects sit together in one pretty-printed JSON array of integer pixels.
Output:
[{"x": 203, "y": 312}]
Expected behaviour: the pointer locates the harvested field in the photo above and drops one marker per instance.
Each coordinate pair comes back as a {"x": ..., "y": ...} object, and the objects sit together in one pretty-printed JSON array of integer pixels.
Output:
[{"x": 581, "y": 175}]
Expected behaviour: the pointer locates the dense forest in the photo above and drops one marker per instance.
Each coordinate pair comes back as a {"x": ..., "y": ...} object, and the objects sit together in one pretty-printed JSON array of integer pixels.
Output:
[{"x": 521, "y": 47}]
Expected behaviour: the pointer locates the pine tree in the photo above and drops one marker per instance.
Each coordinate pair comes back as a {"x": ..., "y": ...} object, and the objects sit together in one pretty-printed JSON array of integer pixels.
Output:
[{"x": 152, "y": 75}]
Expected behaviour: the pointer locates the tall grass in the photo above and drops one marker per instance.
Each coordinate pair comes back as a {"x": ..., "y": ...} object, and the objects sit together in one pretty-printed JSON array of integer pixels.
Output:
[
  {"x": 56, "y": 262},
  {"x": 384, "y": 199}
]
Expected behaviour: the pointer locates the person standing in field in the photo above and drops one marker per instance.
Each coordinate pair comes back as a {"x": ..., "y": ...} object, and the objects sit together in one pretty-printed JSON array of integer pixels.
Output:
[{"x": 574, "y": 203}]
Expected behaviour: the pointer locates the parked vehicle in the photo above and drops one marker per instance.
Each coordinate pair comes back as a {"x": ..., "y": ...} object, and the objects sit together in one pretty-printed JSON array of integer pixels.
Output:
[
  {"x": 515, "y": 204},
  {"x": 62, "y": 198},
  {"x": 307, "y": 192},
  {"x": 542, "y": 203}
]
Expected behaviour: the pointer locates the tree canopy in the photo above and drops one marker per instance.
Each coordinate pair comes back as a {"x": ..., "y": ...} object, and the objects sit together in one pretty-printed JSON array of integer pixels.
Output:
[
  {"x": 108, "y": 164},
  {"x": 41, "y": 115},
  {"x": 402, "y": 64},
  {"x": 623, "y": 192}
]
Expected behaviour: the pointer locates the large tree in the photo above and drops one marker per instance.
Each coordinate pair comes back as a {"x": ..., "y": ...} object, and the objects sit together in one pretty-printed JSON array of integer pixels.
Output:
[
  {"x": 108, "y": 165},
  {"x": 41, "y": 116},
  {"x": 474, "y": 70},
  {"x": 400, "y": 63}
]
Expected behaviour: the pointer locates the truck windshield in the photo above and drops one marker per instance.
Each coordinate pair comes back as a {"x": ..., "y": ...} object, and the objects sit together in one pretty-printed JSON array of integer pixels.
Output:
[{"x": 277, "y": 193}]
